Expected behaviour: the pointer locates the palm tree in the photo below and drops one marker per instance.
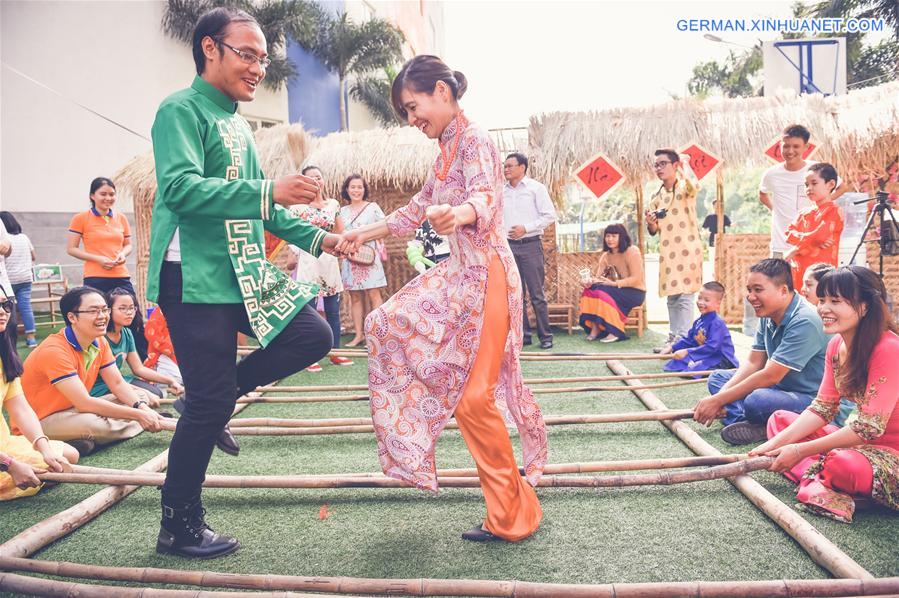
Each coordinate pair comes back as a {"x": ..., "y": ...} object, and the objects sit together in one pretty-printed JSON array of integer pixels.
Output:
[
  {"x": 373, "y": 91},
  {"x": 345, "y": 48},
  {"x": 277, "y": 19}
]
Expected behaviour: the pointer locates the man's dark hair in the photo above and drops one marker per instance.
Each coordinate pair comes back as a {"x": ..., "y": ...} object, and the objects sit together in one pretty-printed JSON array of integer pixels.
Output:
[
  {"x": 71, "y": 301},
  {"x": 668, "y": 153},
  {"x": 715, "y": 287},
  {"x": 214, "y": 24},
  {"x": 777, "y": 270},
  {"x": 797, "y": 131},
  {"x": 521, "y": 159}
]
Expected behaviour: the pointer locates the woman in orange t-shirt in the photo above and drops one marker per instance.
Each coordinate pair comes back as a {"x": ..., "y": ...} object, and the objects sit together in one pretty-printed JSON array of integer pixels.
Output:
[{"x": 101, "y": 237}]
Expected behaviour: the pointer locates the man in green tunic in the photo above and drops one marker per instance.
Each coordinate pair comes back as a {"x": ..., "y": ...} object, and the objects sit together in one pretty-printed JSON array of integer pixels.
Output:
[{"x": 208, "y": 270}]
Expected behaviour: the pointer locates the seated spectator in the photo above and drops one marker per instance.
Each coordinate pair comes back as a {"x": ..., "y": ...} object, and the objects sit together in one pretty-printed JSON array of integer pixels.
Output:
[
  {"x": 833, "y": 466},
  {"x": 22, "y": 457},
  {"x": 121, "y": 343},
  {"x": 59, "y": 372},
  {"x": 618, "y": 287},
  {"x": 160, "y": 352},
  {"x": 708, "y": 345},
  {"x": 19, "y": 264},
  {"x": 784, "y": 368}
]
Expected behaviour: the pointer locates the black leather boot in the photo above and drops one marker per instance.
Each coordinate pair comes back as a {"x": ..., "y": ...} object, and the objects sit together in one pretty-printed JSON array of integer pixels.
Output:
[
  {"x": 226, "y": 442},
  {"x": 183, "y": 531}
]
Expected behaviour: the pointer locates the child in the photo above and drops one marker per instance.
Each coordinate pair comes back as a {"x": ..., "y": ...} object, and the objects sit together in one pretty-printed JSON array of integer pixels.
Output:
[
  {"x": 816, "y": 231},
  {"x": 708, "y": 345},
  {"x": 813, "y": 275}
]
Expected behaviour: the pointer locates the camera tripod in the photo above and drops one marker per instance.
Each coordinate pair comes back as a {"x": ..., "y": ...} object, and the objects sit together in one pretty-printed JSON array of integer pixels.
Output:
[{"x": 880, "y": 208}]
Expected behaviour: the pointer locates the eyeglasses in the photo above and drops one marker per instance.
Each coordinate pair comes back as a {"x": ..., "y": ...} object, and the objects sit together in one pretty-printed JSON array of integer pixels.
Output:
[
  {"x": 6, "y": 306},
  {"x": 661, "y": 164},
  {"x": 96, "y": 312},
  {"x": 127, "y": 310},
  {"x": 247, "y": 57}
]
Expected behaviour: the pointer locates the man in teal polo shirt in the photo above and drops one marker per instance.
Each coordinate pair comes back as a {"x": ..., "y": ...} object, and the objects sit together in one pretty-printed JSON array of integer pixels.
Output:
[
  {"x": 208, "y": 270},
  {"x": 784, "y": 368}
]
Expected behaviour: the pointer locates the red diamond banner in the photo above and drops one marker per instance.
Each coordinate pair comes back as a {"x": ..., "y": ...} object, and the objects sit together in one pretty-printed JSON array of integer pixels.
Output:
[
  {"x": 599, "y": 175},
  {"x": 702, "y": 161},
  {"x": 773, "y": 152}
]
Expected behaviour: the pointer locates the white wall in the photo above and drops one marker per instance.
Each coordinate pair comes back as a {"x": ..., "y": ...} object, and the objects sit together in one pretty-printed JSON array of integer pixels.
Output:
[{"x": 110, "y": 56}]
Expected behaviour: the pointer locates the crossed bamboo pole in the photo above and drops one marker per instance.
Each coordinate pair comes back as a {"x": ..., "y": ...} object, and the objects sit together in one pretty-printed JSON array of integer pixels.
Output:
[{"x": 663, "y": 478}]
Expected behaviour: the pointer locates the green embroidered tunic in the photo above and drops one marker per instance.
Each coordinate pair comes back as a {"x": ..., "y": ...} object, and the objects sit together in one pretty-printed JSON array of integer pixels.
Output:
[{"x": 212, "y": 190}]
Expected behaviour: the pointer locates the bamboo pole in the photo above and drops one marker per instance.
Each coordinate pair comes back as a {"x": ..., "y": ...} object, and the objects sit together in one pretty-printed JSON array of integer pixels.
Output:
[
  {"x": 663, "y": 478},
  {"x": 550, "y": 420},
  {"x": 423, "y": 586},
  {"x": 527, "y": 381},
  {"x": 65, "y": 522},
  {"x": 53, "y": 528},
  {"x": 820, "y": 549},
  {"x": 592, "y": 357},
  {"x": 719, "y": 212}
]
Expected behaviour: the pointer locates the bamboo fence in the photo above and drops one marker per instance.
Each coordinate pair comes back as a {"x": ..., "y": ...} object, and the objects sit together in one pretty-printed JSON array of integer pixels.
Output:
[{"x": 819, "y": 548}]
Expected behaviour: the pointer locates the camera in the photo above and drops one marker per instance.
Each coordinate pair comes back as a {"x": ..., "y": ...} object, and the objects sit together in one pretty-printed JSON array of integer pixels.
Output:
[{"x": 661, "y": 213}]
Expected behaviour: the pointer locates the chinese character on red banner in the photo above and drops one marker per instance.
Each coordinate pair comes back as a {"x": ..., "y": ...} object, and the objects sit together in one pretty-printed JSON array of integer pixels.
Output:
[
  {"x": 702, "y": 161},
  {"x": 599, "y": 175},
  {"x": 773, "y": 152}
]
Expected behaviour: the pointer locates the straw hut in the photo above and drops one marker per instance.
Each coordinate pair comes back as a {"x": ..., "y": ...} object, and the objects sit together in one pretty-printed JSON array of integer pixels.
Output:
[{"x": 857, "y": 132}]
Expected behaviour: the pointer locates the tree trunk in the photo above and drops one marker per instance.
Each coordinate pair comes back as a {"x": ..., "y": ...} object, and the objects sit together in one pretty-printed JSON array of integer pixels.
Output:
[{"x": 344, "y": 124}]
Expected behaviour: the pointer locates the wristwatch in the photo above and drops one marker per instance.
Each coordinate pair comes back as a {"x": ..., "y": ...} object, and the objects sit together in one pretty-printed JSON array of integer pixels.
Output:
[
  {"x": 137, "y": 404},
  {"x": 5, "y": 462}
]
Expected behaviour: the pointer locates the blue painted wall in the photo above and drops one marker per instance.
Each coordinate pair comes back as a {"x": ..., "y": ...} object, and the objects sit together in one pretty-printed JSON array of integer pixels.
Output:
[{"x": 313, "y": 95}]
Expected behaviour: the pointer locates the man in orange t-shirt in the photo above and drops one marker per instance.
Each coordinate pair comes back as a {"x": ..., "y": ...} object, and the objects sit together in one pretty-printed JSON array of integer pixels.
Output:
[{"x": 65, "y": 365}]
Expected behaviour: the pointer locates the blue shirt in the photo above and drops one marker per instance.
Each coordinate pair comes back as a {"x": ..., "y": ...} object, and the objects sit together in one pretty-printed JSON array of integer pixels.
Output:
[
  {"x": 798, "y": 343},
  {"x": 708, "y": 344}
]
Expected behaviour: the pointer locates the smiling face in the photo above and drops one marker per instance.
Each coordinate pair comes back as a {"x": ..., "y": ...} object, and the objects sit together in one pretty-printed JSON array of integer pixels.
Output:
[
  {"x": 766, "y": 297},
  {"x": 792, "y": 149},
  {"x": 817, "y": 189},
  {"x": 92, "y": 316},
  {"x": 103, "y": 198},
  {"x": 123, "y": 311},
  {"x": 430, "y": 113},
  {"x": 226, "y": 70},
  {"x": 708, "y": 301},
  {"x": 838, "y": 315},
  {"x": 356, "y": 190}
]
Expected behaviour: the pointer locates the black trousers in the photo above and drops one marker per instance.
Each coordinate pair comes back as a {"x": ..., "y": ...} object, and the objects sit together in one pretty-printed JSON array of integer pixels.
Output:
[
  {"x": 528, "y": 255},
  {"x": 205, "y": 340},
  {"x": 104, "y": 285}
]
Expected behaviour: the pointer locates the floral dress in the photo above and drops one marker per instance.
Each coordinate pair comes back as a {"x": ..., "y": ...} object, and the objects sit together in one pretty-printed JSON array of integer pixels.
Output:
[
  {"x": 877, "y": 424},
  {"x": 323, "y": 270},
  {"x": 358, "y": 277},
  {"x": 423, "y": 341}
]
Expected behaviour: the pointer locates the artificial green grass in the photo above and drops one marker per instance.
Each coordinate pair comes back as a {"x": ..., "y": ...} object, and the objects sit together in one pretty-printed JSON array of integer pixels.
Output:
[{"x": 703, "y": 531}]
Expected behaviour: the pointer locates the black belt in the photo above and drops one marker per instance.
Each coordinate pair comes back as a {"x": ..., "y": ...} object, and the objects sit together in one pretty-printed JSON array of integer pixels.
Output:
[{"x": 523, "y": 241}]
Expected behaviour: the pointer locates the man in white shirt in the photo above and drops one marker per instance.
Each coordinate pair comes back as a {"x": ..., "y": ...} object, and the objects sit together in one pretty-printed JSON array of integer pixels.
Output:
[
  {"x": 782, "y": 189},
  {"x": 527, "y": 211}
]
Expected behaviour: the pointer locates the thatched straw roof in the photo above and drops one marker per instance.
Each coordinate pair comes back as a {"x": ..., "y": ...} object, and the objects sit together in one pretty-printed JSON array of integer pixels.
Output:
[
  {"x": 858, "y": 131},
  {"x": 387, "y": 158}
]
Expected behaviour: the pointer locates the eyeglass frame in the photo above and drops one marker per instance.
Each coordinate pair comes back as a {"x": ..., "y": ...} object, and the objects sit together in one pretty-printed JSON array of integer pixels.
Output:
[
  {"x": 126, "y": 309},
  {"x": 661, "y": 164},
  {"x": 8, "y": 305},
  {"x": 100, "y": 311},
  {"x": 245, "y": 56}
]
